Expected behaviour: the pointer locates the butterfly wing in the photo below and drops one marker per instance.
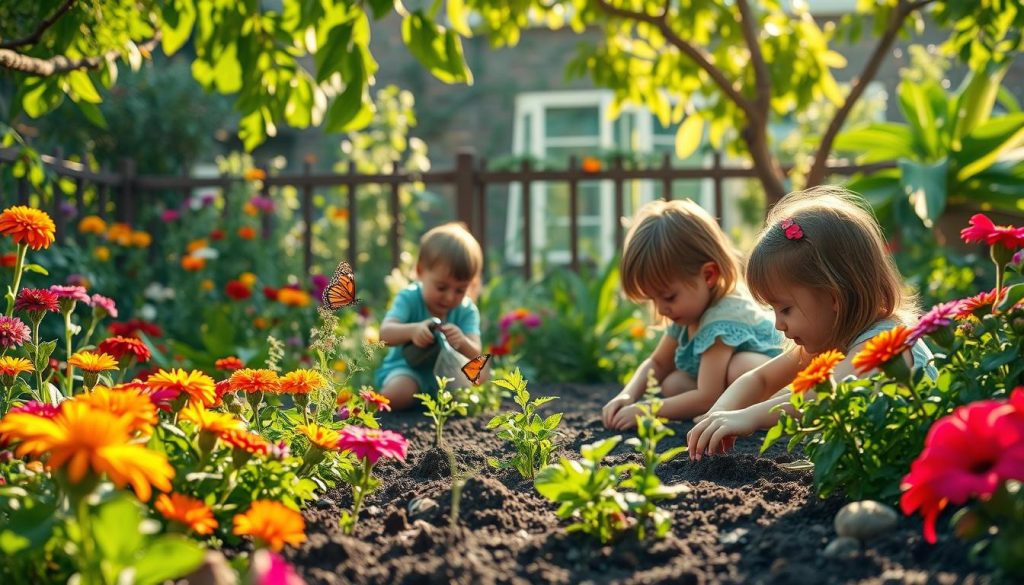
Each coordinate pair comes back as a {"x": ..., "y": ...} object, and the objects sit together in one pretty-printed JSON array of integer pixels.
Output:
[
  {"x": 341, "y": 292},
  {"x": 474, "y": 367}
]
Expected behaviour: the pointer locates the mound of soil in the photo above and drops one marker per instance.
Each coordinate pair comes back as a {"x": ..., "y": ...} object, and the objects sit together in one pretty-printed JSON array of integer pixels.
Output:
[{"x": 748, "y": 519}]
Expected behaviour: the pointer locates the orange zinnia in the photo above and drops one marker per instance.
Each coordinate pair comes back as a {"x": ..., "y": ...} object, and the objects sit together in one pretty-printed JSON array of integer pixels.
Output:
[
  {"x": 29, "y": 225},
  {"x": 92, "y": 224},
  {"x": 130, "y": 403},
  {"x": 302, "y": 382},
  {"x": 247, "y": 232},
  {"x": 819, "y": 370},
  {"x": 244, "y": 440},
  {"x": 198, "y": 386},
  {"x": 188, "y": 511},
  {"x": 229, "y": 363},
  {"x": 210, "y": 420},
  {"x": 85, "y": 440},
  {"x": 272, "y": 523},
  {"x": 322, "y": 437},
  {"x": 254, "y": 174},
  {"x": 12, "y": 366},
  {"x": 193, "y": 264},
  {"x": 252, "y": 380},
  {"x": 93, "y": 361},
  {"x": 882, "y": 348}
]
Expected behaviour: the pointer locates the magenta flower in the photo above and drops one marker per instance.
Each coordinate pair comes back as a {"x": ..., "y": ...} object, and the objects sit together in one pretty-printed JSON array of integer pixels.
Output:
[
  {"x": 270, "y": 568},
  {"x": 37, "y": 408},
  {"x": 170, "y": 215},
  {"x": 13, "y": 332},
  {"x": 372, "y": 444},
  {"x": 938, "y": 317},
  {"x": 531, "y": 321},
  {"x": 319, "y": 282},
  {"x": 36, "y": 299},
  {"x": 104, "y": 305},
  {"x": 265, "y": 204},
  {"x": 75, "y": 293},
  {"x": 967, "y": 454},
  {"x": 982, "y": 229}
]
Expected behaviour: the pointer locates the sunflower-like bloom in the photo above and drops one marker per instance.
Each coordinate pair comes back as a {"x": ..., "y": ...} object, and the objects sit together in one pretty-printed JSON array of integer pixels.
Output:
[
  {"x": 272, "y": 523},
  {"x": 187, "y": 511},
  {"x": 302, "y": 382},
  {"x": 12, "y": 366},
  {"x": 250, "y": 380},
  {"x": 818, "y": 371},
  {"x": 198, "y": 386},
  {"x": 210, "y": 420},
  {"x": 881, "y": 349},
  {"x": 29, "y": 225},
  {"x": 229, "y": 364},
  {"x": 322, "y": 437},
  {"x": 131, "y": 403},
  {"x": 121, "y": 347},
  {"x": 93, "y": 362},
  {"x": 85, "y": 440}
]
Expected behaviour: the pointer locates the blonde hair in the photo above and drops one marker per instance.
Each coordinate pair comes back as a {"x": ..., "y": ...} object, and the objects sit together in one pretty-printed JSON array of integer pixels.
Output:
[
  {"x": 842, "y": 251},
  {"x": 451, "y": 246},
  {"x": 673, "y": 239}
]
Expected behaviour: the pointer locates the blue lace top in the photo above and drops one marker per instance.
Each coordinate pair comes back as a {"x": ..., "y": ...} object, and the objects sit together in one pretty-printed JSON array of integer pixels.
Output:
[
  {"x": 919, "y": 352},
  {"x": 736, "y": 319}
]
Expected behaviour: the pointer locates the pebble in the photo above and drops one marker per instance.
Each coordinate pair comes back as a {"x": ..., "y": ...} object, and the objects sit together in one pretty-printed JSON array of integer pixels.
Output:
[
  {"x": 864, "y": 520},
  {"x": 324, "y": 503},
  {"x": 373, "y": 511},
  {"x": 733, "y": 536},
  {"x": 843, "y": 547},
  {"x": 421, "y": 506}
]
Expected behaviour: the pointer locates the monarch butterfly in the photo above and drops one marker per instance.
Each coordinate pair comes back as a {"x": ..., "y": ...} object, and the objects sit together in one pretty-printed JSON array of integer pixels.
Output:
[
  {"x": 474, "y": 367},
  {"x": 341, "y": 292}
]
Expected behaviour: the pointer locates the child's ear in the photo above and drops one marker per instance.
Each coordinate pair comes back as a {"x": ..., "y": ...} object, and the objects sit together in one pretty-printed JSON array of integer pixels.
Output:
[{"x": 710, "y": 273}]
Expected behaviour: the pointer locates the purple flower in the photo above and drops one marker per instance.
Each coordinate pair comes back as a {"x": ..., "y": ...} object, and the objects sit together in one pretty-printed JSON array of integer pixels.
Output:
[
  {"x": 13, "y": 332},
  {"x": 104, "y": 306},
  {"x": 262, "y": 203},
  {"x": 170, "y": 215},
  {"x": 67, "y": 209},
  {"x": 939, "y": 316},
  {"x": 506, "y": 321},
  {"x": 294, "y": 341},
  {"x": 207, "y": 199},
  {"x": 319, "y": 282},
  {"x": 532, "y": 321},
  {"x": 1018, "y": 258},
  {"x": 344, "y": 413}
]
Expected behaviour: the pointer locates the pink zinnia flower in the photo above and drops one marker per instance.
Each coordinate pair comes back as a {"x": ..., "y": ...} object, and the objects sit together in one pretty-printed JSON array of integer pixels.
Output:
[
  {"x": 938, "y": 317},
  {"x": 75, "y": 293},
  {"x": 531, "y": 321},
  {"x": 379, "y": 400},
  {"x": 13, "y": 332},
  {"x": 37, "y": 408},
  {"x": 170, "y": 215},
  {"x": 262, "y": 203},
  {"x": 36, "y": 299},
  {"x": 983, "y": 230},
  {"x": 967, "y": 454},
  {"x": 270, "y": 568},
  {"x": 977, "y": 305},
  {"x": 104, "y": 304},
  {"x": 372, "y": 444}
]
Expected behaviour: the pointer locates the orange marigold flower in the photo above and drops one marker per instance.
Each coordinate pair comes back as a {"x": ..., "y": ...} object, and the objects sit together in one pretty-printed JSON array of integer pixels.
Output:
[
  {"x": 293, "y": 297},
  {"x": 260, "y": 323},
  {"x": 210, "y": 420},
  {"x": 248, "y": 278},
  {"x": 255, "y": 380},
  {"x": 93, "y": 361},
  {"x": 101, "y": 253},
  {"x": 92, "y": 224},
  {"x": 255, "y": 174},
  {"x": 193, "y": 264},
  {"x": 12, "y": 366},
  {"x": 130, "y": 403},
  {"x": 882, "y": 348},
  {"x": 244, "y": 440},
  {"x": 322, "y": 437},
  {"x": 272, "y": 523},
  {"x": 187, "y": 511},
  {"x": 229, "y": 363},
  {"x": 247, "y": 232},
  {"x": 87, "y": 440},
  {"x": 819, "y": 370},
  {"x": 196, "y": 245},
  {"x": 302, "y": 382},
  {"x": 141, "y": 239},
  {"x": 29, "y": 225},
  {"x": 340, "y": 213},
  {"x": 198, "y": 386},
  {"x": 382, "y": 402},
  {"x": 591, "y": 164},
  {"x": 120, "y": 234},
  {"x": 343, "y": 397}
]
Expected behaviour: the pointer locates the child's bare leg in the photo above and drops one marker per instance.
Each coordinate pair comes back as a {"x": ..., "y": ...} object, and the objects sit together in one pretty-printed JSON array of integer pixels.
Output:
[
  {"x": 399, "y": 390},
  {"x": 743, "y": 362},
  {"x": 676, "y": 383}
]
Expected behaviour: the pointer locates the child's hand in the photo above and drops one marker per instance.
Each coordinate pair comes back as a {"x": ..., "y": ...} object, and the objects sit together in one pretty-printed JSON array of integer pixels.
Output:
[
  {"x": 612, "y": 408},
  {"x": 625, "y": 419},
  {"x": 717, "y": 431},
  {"x": 423, "y": 335},
  {"x": 456, "y": 338}
]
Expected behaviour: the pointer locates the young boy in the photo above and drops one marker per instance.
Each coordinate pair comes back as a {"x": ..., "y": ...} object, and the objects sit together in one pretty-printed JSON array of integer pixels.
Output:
[{"x": 449, "y": 262}]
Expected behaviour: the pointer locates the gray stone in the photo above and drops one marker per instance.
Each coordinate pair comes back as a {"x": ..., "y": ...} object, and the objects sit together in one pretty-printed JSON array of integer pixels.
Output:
[
  {"x": 865, "y": 520},
  {"x": 843, "y": 547},
  {"x": 420, "y": 507}
]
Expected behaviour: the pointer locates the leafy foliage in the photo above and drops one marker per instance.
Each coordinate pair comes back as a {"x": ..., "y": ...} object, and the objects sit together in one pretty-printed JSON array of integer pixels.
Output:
[
  {"x": 441, "y": 409},
  {"x": 530, "y": 434}
]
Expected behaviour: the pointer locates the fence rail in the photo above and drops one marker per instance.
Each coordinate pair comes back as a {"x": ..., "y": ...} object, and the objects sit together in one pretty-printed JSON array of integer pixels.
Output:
[{"x": 469, "y": 178}]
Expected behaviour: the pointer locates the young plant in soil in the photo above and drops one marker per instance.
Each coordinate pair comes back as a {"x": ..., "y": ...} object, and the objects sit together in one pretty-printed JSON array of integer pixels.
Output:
[
  {"x": 529, "y": 433},
  {"x": 441, "y": 409}
]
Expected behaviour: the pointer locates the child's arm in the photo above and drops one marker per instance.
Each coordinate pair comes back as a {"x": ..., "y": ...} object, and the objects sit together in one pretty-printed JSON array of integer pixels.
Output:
[
  {"x": 759, "y": 384},
  {"x": 662, "y": 361},
  {"x": 467, "y": 345},
  {"x": 394, "y": 332},
  {"x": 711, "y": 378}
]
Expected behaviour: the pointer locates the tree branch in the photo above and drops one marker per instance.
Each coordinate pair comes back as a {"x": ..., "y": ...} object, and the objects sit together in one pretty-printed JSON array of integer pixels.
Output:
[
  {"x": 698, "y": 56},
  {"x": 36, "y": 34},
  {"x": 817, "y": 173},
  {"x": 60, "y": 64},
  {"x": 762, "y": 80}
]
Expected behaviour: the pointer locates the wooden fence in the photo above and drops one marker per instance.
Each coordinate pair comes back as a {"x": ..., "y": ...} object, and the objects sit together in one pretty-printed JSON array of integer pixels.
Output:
[{"x": 121, "y": 193}]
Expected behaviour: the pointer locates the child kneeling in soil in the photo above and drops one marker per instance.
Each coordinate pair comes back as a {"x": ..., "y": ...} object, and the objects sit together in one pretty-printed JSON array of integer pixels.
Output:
[
  {"x": 822, "y": 265},
  {"x": 449, "y": 264},
  {"x": 676, "y": 255}
]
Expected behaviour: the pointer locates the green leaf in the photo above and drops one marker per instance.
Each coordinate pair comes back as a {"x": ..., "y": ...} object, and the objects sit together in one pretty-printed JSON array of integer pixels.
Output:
[
  {"x": 689, "y": 136},
  {"x": 41, "y": 96},
  {"x": 170, "y": 556},
  {"x": 773, "y": 435},
  {"x": 926, "y": 187},
  {"x": 178, "y": 19},
  {"x": 93, "y": 114},
  {"x": 598, "y": 450},
  {"x": 82, "y": 86},
  {"x": 115, "y": 529},
  {"x": 458, "y": 17},
  {"x": 877, "y": 142},
  {"x": 997, "y": 140},
  {"x": 35, "y": 268},
  {"x": 42, "y": 357},
  {"x": 26, "y": 528}
]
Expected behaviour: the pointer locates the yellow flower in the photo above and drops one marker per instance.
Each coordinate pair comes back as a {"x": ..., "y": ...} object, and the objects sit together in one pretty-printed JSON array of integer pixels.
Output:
[
  {"x": 92, "y": 224},
  {"x": 141, "y": 239},
  {"x": 188, "y": 511},
  {"x": 29, "y": 225},
  {"x": 302, "y": 382},
  {"x": 198, "y": 386},
  {"x": 101, "y": 253},
  {"x": 819, "y": 370},
  {"x": 130, "y": 403},
  {"x": 196, "y": 245},
  {"x": 343, "y": 397},
  {"x": 12, "y": 366},
  {"x": 209, "y": 420},
  {"x": 255, "y": 380},
  {"x": 340, "y": 365},
  {"x": 206, "y": 284},
  {"x": 87, "y": 441},
  {"x": 247, "y": 278},
  {"x": 293, "y": 297},
  {"x": 322, "y": 437},
  {"x": 637, "y": 330},
  {"x": 272, "y": 523},
  {"x": 93, "y": 361}
]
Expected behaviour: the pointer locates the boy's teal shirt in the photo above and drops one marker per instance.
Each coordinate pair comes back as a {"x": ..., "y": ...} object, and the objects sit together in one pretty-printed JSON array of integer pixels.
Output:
[{"x": 409, "y": 307}]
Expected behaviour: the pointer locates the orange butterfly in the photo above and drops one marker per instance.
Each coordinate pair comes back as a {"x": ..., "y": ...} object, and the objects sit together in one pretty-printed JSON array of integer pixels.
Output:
[
  {"x": 474, "y": 367},
  {"x": 341, "y": 292}
]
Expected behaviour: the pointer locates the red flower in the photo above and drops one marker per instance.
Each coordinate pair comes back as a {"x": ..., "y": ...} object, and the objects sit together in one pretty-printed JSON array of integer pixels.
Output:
[
  {"x": 217, "y": 235},
  {"x": 270, "y": 293},
  {"x": 132, "y": 327},
  {"x": 120, "y": 347},
  {"x": 966, "y": 454},
  {"x": 372, "y": 444},
  {"x": 229, "y": 364},
  {"x": 983, "y": 230},
  {"x": 36, "y": 299},
  {"x": 9, "y": 260},
  {"x": 237, "y": 290}
]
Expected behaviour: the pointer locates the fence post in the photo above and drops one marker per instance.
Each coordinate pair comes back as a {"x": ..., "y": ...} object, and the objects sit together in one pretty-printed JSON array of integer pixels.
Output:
[
  {"x": 307, "y": 217},
  {"x": 266, "y": 218},
  {"x": 716, "y": 166},
  {"x": 396, "y": 224},
  {"x": 666, "y": 182},
  {"x": 103, "y": 195},
  {"x": 353, "y": 225},
  {"x": 58, "y": 195},
  {"x": 619, "y": 204},
  {"x": 527, "y": 223},
  {"x": 574, "y": 221},
  {"x": 124, "y": 207},
  {"x": 481, "y": 209},
  {"x": 464, "y": 185}
]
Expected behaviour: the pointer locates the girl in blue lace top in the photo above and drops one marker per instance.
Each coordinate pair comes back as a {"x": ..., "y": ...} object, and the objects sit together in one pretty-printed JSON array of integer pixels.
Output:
[{"x": 677, "y": 256}]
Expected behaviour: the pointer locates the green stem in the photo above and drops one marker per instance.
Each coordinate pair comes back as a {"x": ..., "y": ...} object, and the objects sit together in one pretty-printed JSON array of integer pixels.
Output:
[
  {"x": 853, "y": 441},
  {"x": 19, "y": 266},
  {"x": 92, "y": 327},
  {"x": 68, "y": 381},
  {"x": 90, "y": 576},
  {"x": 359, "y": 492}
]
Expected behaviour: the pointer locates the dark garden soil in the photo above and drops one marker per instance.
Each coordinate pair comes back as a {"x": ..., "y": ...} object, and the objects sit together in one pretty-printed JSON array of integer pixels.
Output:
[{"x": 747, "y": 520}]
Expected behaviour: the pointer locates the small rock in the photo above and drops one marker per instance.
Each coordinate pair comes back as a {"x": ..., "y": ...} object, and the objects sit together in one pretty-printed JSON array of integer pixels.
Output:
[
  {"x": 325, "y": 503},
  {"x": 419, "y": 507},
  {"x": 843, "y": 547},
  {"x": 373, "y": 511},
  {"x": 733, "y": 536},
  {"x": 214, "y": 571},
  {"x": 864, "y": 520}
]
